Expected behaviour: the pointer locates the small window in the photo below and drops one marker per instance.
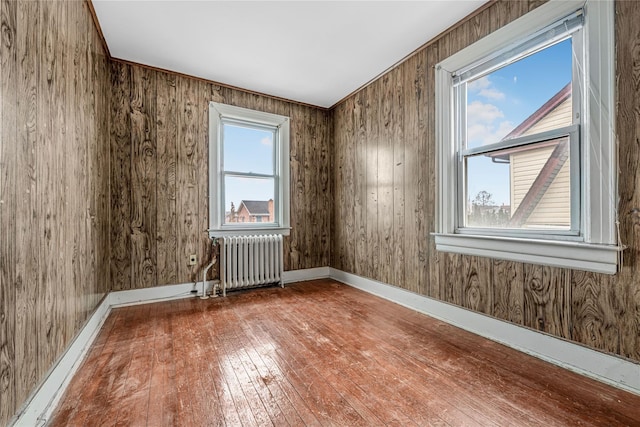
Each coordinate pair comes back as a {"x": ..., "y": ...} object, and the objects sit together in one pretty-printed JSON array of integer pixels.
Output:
[
  {"x": 526, "y": 141},
  {"x": 248, "y": 171}
]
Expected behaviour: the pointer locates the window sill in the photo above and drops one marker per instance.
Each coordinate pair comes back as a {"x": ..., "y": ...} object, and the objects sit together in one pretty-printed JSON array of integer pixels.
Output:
[
  {"x": 249, "y": 231},
  {"x": 579, "y": 256}
]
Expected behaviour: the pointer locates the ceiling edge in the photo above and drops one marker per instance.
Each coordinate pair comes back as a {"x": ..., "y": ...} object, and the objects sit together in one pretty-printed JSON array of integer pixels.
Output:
[{"x": 415, "y": 51}]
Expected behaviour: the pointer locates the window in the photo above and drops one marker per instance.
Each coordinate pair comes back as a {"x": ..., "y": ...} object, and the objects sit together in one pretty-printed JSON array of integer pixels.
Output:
[
  {"x": 526, "y": 146},
  {"x": 248, "y": 171}
]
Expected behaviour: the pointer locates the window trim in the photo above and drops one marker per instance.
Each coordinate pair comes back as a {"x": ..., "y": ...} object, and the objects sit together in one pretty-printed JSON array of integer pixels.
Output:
[
  {"x": 218, "y": 113},
  {"x": 598, "y": 252}
]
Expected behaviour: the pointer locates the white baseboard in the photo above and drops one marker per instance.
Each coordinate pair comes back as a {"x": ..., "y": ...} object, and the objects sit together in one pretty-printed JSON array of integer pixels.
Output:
[
  {"x": 591, "y": 363},
  {"x": 37, "y": 410},
  {"x": 305, "y": 274},
  {"x": 155, "y": 294}
]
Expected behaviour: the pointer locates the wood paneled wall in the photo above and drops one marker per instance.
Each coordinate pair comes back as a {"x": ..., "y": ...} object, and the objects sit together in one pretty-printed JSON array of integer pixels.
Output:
[
  {"x": 159, "y": 176},
  {"x": 384, "y": 202},
  {"x": 54, "y": 186}
]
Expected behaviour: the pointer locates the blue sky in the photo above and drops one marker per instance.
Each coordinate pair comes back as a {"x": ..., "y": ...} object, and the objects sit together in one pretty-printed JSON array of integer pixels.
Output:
[
  {"x": 247, "y": 150},
  {"x": 500, "y": 101}
]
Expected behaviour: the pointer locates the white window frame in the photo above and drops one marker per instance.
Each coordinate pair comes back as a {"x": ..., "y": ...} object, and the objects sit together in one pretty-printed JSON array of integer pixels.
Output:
[
  {"x": 596, "y": 249},
  {"x": 218, "y": 113}
]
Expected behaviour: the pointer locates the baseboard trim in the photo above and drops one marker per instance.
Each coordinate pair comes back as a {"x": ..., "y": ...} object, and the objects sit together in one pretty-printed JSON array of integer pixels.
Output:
[
  {"x": 37, "y": 410},
  {"x": 305, "y": 274},
  {"x": 608, "y": 369},
  {"x": 155, "y": 294}
]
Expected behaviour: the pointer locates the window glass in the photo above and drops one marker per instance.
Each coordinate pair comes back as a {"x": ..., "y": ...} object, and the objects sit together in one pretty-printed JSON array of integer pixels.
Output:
[
  {"x": 248, "y": 149},
  {"x": 537, "y": 193},
  {"x": 525, "y": 186},
  {"x": 500, "y": 103},
  {"x": 246, "y": 198}
]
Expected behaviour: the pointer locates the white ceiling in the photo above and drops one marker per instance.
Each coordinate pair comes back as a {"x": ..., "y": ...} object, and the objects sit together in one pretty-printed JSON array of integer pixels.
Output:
[{"x": 316, "y": 52}]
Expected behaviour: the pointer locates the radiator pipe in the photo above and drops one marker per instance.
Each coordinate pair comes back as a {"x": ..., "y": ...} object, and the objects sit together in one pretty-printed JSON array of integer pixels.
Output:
[{"x": 211, "y": 264}]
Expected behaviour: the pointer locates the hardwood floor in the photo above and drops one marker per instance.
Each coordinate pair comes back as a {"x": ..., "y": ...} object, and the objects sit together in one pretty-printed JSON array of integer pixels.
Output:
[{"x": 319, "y": 353}]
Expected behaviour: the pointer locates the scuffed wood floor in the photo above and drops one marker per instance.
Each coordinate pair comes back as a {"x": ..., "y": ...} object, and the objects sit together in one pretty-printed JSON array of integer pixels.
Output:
[{"x": 318, "y": 353}]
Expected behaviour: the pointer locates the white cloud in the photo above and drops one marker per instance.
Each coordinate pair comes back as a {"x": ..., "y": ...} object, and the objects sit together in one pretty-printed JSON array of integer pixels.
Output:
[
  {"x": 485, "y": 88},
  {"x": 492, "y": 93},
  {"x": 485, "y": 124},
  {"x": 479, "y": 112}
]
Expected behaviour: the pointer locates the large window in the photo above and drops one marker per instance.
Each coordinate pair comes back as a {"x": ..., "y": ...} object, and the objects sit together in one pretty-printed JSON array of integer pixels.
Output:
[
  {"x": 526, "y": 141},
  {"x": 248, "y": 171}
]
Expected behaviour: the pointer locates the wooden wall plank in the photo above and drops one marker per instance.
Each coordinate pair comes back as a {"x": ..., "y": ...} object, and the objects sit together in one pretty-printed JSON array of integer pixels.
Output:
[
  {"x": 412, "y": 176},
  {"x": 166, "y": 138},
  {"x": 293, "y": 243},
  {"x": 143, "y": 178},
  {"x": 324, "y": 200},
  {"x": 206, "y": 93},
  {"x": 86, "y": 302},
  {"x": 427, "y": 189},
  {"x": 476, "y": 285},
  {"x": 360, "y": 182},
  {"x": 547, "y": 296},
  {"x": 120, "y": 162},
  {"x": 385, "y": 179},
  {"x": 8, "y": 157},
  {"x": 74, "y": 154},
  {"x": 102, "y": 215},
  {"x": 398, "y": 186},
  {"x": 373, "y": 236},
  {"x": 348, "y": 190},
  {"x": 26, "y": 217},
  {"x": 508, "y": 291},
  {"x": 186, "y": 177},
  {"x": 593, "y": 318}
]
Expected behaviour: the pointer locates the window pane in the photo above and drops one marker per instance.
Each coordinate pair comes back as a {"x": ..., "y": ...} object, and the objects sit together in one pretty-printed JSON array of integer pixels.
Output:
[
  {"x": 526, "y": 187},
  {"x": 523, "y": 98},
  {"x": 247, "y": 149},
  {"x": 248, "y": 200}
]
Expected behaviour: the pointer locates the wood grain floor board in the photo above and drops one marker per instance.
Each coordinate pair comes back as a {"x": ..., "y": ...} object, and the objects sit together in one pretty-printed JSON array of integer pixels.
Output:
[
  {"x": 319, "y": 353},
  {"x": 204, "y": 400},
  {"x": 458, "y": 361},
  {"x": 354, "y": 366},
  {"x": 308, "y": 348},
  {"x": 279, "y": 407},
  {"x": 265, "y": 350},
  {"x": 327, "y": 403},
  {"x": 232, "y": 348},
  {"x": 529, "y": 373},
  {"x": 408, "y": 385}
]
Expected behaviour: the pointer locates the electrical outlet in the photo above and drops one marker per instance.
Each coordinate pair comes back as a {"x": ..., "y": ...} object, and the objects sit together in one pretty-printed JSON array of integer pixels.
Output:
[{"x": 193, "y": 259}]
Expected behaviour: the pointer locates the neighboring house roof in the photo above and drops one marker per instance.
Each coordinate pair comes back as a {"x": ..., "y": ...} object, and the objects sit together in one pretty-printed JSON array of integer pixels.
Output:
[
  {"x": 255, "y": 207},
  {"x": 541, "y": 112}
]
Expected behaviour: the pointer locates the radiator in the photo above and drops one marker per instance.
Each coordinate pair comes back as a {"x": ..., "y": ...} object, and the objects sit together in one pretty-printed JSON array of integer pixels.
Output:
[{"x": 250, "y": 261}]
